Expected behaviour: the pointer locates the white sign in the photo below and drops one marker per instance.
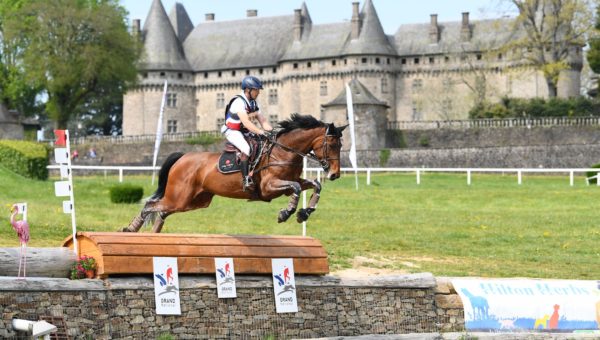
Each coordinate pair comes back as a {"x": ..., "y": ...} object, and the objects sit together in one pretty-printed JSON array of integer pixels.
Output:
[
  {"x": 61, "y": 155},
  {"x": 62, "y": 188},
  {"x": 517, "y": 304},
  {"x": 284, "y": 285},
  {"x": 67, "y": 207},
  {"x": 64, "y": 171},
  {"x": 166, "y": 286},
  {"x": 225, "y": 278},
  {"x": 22, "y": 209}
]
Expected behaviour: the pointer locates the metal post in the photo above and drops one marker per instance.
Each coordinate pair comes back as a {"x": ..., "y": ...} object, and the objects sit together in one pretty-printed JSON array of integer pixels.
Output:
[
  {"x": 468, "y": 177},
  {"x": 120, "y": 175},
  {"x": 369, "y": 176},
  {"x": 520, "y": 180},
  {"x": 571, "y": 177},
  {"x": 418, "y": 176}
]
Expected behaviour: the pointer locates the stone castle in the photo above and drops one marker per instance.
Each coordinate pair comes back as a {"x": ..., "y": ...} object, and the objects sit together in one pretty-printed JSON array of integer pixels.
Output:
[{"x": 429, "y": 71}]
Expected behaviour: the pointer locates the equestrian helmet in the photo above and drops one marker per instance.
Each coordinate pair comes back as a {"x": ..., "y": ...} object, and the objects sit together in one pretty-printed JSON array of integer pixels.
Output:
[{"x": 251, "y": 82}]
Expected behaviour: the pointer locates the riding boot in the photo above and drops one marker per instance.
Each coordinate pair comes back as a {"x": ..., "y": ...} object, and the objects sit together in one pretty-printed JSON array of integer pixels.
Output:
[{"x": 247, "y": 181}]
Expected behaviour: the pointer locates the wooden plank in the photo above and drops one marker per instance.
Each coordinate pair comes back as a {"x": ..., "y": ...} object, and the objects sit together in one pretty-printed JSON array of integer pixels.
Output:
[
  {"x": 206, "y": 265},
  {"x": 211, "y": 241},
  {"x": 210, "y": 251}
]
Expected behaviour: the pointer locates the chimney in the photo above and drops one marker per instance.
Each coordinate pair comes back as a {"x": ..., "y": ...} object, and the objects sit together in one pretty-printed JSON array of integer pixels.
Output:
[
  {"x": 434, "y": 30},
  {"x": 297, "y": 24},
  {"x": 356, "y": 22},
  {"x": 209, "y": 16},
  {"x": 465, "y": 30},
  {"x": 251, "y": 13},
  {"x": 135, "y": 29}
]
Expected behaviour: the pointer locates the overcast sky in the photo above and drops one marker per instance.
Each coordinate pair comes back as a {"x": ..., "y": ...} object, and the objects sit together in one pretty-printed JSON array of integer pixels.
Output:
[{"x": 392, "y": 13}]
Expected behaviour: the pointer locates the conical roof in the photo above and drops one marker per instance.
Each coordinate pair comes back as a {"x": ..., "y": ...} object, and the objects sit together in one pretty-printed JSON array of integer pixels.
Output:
[
  {"x": 372, "y": 38},
  {"x": 162, "y": 49},
  {"x": 181, "y": 22},
  {"x": 360, "y": 96}
]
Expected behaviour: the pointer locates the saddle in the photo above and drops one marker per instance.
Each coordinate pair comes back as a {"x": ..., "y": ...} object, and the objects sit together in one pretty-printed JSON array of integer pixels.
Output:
[{"x": 230, "y": 159}]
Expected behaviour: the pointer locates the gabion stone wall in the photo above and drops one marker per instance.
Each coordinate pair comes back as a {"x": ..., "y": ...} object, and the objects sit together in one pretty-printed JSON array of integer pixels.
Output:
[{"x": 123, "y": 308}]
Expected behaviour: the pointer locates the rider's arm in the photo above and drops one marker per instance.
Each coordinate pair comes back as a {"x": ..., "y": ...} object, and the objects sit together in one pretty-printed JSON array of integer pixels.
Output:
[{"x": 263, "y": 122}]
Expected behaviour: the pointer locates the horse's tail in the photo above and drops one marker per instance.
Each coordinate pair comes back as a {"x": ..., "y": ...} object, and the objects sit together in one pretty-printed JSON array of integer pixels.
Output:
[{"x": 163, "y": 175}]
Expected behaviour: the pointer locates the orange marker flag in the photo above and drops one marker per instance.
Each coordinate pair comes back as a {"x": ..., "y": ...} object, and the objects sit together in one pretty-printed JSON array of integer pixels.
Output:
[{"x": 61, "y": 138}]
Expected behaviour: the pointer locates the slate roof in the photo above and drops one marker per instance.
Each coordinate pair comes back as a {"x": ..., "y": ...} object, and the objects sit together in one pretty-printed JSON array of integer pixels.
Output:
[
  {"x": 360, "y": 96},
  {"x": 413, "y": 39},
  {"x": 372, "y": 38},
  {"x": 250, "y": 42},
  {"x": 162, "y": 49},
  {"x": 327, "y": 40},
  {"x": 181, "y": 22}
]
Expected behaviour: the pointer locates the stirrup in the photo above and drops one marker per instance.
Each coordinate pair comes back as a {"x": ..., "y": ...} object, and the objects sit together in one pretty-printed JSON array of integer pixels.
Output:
[{"x": 248, "y": 183}]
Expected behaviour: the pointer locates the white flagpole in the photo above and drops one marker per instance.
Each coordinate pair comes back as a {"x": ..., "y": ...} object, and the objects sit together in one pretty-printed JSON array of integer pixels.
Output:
[
  {"x": 352, "y": 153},
  {"x": 72, "y": 192},
  {"x": 159, "y": 130},
  {"x": 304, "y": 166}
]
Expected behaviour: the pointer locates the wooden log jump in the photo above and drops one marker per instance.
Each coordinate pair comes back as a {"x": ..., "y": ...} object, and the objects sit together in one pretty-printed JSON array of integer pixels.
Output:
[
  {"x": 41, "y": 262},
  {"x": 132, "y": 253}
]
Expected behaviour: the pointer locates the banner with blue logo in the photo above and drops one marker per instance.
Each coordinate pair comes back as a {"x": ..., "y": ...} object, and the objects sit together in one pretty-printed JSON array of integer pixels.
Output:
[
  {"x": 225, "y": 278},
  {"x": 529, "y": 304},
  {"x": 284, "y": 285},
  {"x": 166, "y": 286}
]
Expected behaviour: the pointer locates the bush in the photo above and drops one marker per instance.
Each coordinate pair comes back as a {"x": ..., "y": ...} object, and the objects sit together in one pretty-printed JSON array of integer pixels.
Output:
[
  {"x": 204, "y": 139},
  {"x": 28, "y": 159},
  {"x": 126, "y": 193},
  {"x": 536, "y": 107},
  {"x": 593, "y": 173}
]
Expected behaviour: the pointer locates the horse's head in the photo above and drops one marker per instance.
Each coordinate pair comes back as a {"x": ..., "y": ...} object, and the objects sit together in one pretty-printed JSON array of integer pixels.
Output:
[{"x": 327, "y": 149}]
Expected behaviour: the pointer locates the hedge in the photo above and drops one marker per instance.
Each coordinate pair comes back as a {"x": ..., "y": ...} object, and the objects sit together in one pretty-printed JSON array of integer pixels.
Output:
[
  {"x": 28, "y": 159},
  {"x": 126, "y": 193}
]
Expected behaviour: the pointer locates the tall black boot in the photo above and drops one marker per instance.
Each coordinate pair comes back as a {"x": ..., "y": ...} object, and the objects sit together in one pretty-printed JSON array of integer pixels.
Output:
[{"x": 247, "y": 181}]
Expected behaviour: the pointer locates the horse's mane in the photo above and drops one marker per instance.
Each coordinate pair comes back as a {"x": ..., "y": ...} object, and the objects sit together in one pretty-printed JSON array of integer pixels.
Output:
[{"x": 298, "y": 121}]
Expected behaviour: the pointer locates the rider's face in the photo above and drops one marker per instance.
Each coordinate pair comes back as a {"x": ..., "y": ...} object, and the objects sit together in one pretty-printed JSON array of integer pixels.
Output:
[{"x": 254, "y": 93}]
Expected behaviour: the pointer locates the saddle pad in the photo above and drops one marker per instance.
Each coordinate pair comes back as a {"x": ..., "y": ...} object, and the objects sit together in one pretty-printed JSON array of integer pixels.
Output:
[{"x": 228, "y": 163}]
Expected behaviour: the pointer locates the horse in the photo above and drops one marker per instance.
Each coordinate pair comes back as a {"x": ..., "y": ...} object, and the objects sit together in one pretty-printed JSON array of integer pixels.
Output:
[{"x": 190, "y": 181}]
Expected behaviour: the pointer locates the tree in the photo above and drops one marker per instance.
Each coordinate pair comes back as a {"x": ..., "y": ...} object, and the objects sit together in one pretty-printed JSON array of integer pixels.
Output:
[
  {"x": 593, "y": 55},
  {"x": 553, "y": 32},
  {"x": 76, "y": 50}
]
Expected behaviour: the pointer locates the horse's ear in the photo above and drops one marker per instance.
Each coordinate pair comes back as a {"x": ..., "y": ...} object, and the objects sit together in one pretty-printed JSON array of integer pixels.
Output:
[
  {"x": 341, "y": 128},
  {"x": 330, "y": 130}
]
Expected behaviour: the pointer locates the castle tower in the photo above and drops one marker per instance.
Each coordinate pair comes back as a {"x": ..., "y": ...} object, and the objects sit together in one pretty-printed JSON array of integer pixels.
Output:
[{"x": 162, "y": 59}]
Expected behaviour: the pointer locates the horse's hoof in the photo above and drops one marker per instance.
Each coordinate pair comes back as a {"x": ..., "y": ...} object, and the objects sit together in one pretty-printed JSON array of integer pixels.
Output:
[
  {"x": 302, "y": 215},
  {"x": 126, "y": 230},
  {"x": 283, "y": 216}
]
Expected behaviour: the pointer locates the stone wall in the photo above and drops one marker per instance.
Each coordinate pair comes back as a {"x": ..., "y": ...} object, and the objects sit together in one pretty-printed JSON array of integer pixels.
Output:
[{"x": 328, "y": 306}]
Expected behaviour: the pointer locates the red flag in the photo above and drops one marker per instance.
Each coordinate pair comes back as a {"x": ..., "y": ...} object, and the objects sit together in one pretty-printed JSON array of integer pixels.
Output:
[{"x": 61, "y": 138}]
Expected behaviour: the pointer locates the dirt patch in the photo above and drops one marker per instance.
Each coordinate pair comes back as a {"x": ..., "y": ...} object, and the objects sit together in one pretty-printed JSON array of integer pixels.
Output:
[{"x": 365, "y": 266}]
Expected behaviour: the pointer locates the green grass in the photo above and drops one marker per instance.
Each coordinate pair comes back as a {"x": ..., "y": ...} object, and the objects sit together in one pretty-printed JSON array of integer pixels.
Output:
[{"x": 493, "y": 228}]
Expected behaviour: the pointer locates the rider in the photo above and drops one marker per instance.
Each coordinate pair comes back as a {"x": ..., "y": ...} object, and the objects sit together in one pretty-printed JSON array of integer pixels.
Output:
[{"x": 238, "y": 119}]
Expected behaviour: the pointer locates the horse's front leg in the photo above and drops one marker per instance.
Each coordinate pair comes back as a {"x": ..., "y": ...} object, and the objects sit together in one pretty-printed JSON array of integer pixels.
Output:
[
  {"x": 304, "y": 214},
  {"x": 278, "y": 186}
]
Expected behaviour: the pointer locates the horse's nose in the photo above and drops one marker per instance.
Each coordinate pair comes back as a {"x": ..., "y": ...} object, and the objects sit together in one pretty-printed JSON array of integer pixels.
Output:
[{"x": 333, "y": 176}]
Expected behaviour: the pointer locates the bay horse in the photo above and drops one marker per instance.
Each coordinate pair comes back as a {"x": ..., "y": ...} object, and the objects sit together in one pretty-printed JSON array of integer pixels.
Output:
[{"x": 190, "y": 181}]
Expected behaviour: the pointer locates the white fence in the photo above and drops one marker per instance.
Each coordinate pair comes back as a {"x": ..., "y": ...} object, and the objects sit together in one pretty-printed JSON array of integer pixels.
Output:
[{"x": 418, "y": 171}]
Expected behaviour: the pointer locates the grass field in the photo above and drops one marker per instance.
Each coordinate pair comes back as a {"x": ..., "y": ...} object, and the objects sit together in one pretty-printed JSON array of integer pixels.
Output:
[{"x": 493, "y": 228}]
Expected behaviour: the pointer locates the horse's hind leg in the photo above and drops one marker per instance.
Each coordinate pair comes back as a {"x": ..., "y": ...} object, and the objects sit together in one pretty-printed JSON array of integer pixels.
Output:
[
  {"x": 303, "y": 214},
  {"x": 160, "y": 221},
  {"x": 138, "y": 221}
]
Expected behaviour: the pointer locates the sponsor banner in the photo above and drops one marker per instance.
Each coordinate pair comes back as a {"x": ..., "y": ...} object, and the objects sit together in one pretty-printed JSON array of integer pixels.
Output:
[
  {"x": 284, "y": 285},
  {"x": 166, "y": 286},
  {"x": 529, "y": 304},
  {"x": 62, "y": 188},
  {"x": 225, "y": 278}
]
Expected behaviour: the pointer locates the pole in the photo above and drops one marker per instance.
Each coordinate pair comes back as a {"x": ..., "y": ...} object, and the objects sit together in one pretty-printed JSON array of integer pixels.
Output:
[
  {"x": 159, "y": 131},
  {"x": 72, "y": 193}
]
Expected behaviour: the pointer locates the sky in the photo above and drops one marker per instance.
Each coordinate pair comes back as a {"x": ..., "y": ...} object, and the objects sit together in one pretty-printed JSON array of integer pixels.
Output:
[{"x": 392, "y": 13}]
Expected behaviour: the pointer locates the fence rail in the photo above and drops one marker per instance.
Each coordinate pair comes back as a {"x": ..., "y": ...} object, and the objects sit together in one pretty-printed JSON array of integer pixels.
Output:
[
  {"x": 492, "y": 122},
  {"x": 172, "y": 137},
  {"x": 418, "y": 171}
]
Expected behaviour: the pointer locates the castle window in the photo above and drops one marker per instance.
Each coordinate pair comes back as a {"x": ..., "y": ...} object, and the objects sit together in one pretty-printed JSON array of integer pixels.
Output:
[
  {"x": 416, "y": 112},
  {"x": 416, "y": 60},
  {"x": 171, "y": 99},
  {"x": 171, "y": 126},
  {"x": 323, "y": 88},
  {"x": 417, "y": 85},
  {"x": 384, "y": 85},
  {"x": 479, "y": 56},
  {"x": 333, "y": 62},
  {"x": 273, "y": 120},
  {"x": 447, "y": 106},
  {"x": 162, "y": 74},
  {"x": 260, "y": 71},
  {"x": 388, "y": 61},
  {"x": 364, "y": 60},
  {"x": 295, "y": 66},
  {"x": 273, "y": 97},
  {"x": 220, "y": 122},
  {"x": 179, "y": 75},
  {"x": 274, "y": 69},
  {"x": 377, "y": 60},
  {"x": 447, "y": 83},
  {"x": 345, "y": 61},
  {"x": 431, "y": 60},
  {"x": 205, "y": 74},
  {"x": 446, "y": 59},
  {"x": 499, "y": 56},
  {"x": 219, "y": 74},
  {"x": 309, "y": 64},
  {"x": 220, "y": 100},
  {"x": 233, "y": 73},
  {"x": 145, "y": 75},
  {"x": 403, "y": 61},
  {"x": 247, "y": 72}
]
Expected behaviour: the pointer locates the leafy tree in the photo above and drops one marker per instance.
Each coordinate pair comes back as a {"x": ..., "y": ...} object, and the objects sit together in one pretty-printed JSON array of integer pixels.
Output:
[
  {"x": 593, "y": 54},
  {"x": 553, "y": 31},
  {"x": 76, "y": 50}
]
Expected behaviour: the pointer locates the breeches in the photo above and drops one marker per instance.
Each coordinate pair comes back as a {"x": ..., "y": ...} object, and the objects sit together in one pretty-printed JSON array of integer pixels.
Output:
[{"x": 236, "y": 138}]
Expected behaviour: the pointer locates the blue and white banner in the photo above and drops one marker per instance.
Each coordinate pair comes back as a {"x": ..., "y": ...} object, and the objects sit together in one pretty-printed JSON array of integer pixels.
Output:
[
  {"x": 284, "y": 285},
  {"x": 225, "y": 278},
  {"x": 166, "y": 286},
  {"x": 529, "y": 304}
]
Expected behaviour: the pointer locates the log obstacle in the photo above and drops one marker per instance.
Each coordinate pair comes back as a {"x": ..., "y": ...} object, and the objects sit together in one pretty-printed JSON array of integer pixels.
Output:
[
  {"x": 132, "y": 253},
  {"x": 41, "y": 262}
]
